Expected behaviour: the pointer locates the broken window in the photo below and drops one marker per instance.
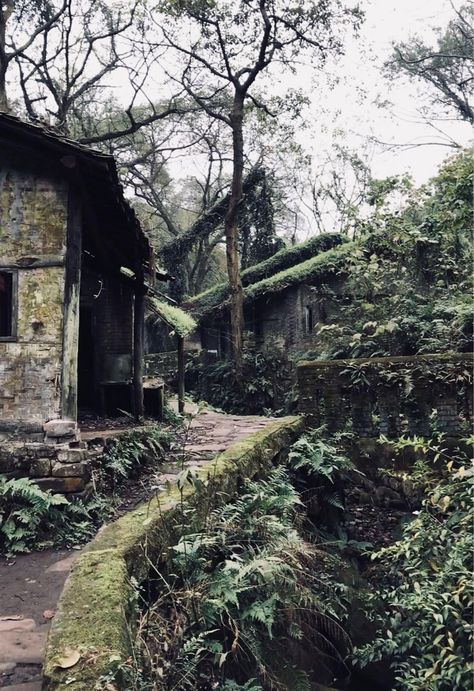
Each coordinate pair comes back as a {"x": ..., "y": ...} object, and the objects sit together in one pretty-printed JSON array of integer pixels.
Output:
[
  {"x": 308, "y": 319},
  {"x": 7, "y": 304}
]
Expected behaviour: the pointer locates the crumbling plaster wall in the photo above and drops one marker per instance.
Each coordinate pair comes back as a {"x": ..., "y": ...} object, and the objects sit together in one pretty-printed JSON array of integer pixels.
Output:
[{"x": 33, "y": 222}]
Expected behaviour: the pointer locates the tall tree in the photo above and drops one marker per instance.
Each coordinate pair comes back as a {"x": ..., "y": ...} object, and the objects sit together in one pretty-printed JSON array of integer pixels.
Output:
[
  {"x": 61, "y": 58},
  {"x": 39, "y": 15},
  {"x": 445, "y": 69},
  {"x": 225, "y": 46}
]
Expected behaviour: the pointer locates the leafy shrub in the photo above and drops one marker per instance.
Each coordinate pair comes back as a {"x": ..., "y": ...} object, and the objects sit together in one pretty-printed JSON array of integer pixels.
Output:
[
  {"x": 243, "y": 595},
  {"x": 129, "y": 453},
  {"x": 31, "y": 518},
  {"x": 424, "y": 601},
  {"x": 263, "y": 386}
]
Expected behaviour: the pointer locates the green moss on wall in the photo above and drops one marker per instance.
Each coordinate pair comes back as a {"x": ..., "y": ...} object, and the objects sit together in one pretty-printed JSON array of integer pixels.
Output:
[
  {"x": 94, "y": 612},
  {"x": 270, "y": 275}
]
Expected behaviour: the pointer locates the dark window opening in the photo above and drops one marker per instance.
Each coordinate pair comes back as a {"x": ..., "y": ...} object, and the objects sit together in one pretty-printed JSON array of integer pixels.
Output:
[
  {"x": 308, "y": 319},
  {"x": 7, "y": 322}
]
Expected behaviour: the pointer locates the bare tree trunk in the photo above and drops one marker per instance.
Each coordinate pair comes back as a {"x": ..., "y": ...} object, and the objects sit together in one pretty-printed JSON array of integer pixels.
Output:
[
  {"x": 232, "y": 232},
  {"x": 4, "y": 13}
]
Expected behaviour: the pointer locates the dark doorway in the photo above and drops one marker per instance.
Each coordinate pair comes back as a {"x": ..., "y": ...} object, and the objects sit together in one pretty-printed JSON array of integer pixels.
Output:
[{"x": 86, "y": 391}]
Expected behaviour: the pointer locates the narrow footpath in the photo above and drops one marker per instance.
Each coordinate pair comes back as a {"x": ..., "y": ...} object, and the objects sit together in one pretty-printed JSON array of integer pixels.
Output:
[{"x": 30, "y": 584}]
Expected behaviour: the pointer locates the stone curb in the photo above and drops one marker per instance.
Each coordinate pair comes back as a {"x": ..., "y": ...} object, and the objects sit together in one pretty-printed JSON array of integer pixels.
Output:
[{"x": 96, "y": 611}]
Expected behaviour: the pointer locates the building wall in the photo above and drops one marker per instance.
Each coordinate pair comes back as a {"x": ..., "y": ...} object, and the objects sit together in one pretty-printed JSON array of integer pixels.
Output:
[
  {"x": 33, "y": 222},
  {"x": 283, "y": 320},
  {"x": 111, "y": 300}
]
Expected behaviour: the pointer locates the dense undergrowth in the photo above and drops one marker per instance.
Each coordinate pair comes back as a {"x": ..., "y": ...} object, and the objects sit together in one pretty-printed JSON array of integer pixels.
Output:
[
  {"x": 424, "y": 597},
  {"x": 32, "y": 518},
  {"x": 264, "y": 385},
  {"x": 260, "y": 595},
  {"x": 249, "y": 598},
  {"x": 403, "y": 288}
]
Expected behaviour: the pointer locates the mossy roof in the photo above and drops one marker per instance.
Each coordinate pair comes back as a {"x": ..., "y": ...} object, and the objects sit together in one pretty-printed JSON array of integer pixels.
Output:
[
  {"x": 177, "y": 319},
  {"x": 327, "y": 256},
  {"x": 325, "y": 262}
]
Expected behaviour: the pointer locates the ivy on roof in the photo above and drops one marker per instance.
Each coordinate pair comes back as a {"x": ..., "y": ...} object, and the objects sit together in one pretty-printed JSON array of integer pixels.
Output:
[
  {"x": 287, "y": 267},
  {"x": 177, "y": 319}
]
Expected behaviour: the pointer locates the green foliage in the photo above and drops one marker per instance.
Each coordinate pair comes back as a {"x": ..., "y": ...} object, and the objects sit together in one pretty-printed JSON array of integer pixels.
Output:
[
  {"x": 444, "y": 69},
  {"x": 259, "y": 278},
  {"x": 31, "y": 518},
  {"x": 181, "y": 323},
  {"x": 129, "y": 453},
  {"x": 264, "y": 385},
  {"x": 318, "y": 457},
  {"x": 246, "y": 591},
  {"x": 407, "y": 286},
  {"x": 424, "y": 599}
]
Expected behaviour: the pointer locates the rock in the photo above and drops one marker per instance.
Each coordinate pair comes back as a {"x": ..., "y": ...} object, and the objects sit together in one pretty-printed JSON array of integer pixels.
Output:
[
  {"x": 40, "y": 467},
  {"x": 16, "y": 625},
  {"x": 62, "y": 484},
  {"x": 60, "y": 428},
  {"x": 72, "y": 455},
  {"x": 69, "y": 469},
  {"x": 25, "y": 647}
]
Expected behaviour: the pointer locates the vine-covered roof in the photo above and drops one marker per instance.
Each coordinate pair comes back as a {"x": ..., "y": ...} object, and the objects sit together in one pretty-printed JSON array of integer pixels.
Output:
[
  {"x": 319, "y": 255},
  {"x": 177, "y": 319}
]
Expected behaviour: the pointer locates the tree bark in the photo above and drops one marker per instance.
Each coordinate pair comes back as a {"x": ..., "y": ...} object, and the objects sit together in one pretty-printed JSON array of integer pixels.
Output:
[
  {"x": 232, "y": 232},
  {"x": 4, "y": 14}
]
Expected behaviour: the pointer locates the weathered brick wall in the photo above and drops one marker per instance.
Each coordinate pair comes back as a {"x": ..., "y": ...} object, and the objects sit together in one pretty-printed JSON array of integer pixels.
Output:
[
  {"x": 111, "y": 301},
  {"x": 33, "y": 212},
  {"x": 162, "y": 365},
  {"x": 282, "y": 316},
  {"x": 389, "y": 396},
  {"x": 33, "y": 220}
]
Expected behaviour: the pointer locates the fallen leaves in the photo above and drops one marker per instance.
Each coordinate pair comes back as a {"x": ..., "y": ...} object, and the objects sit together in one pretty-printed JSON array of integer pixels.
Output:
[{"x": 69, "y": 658}]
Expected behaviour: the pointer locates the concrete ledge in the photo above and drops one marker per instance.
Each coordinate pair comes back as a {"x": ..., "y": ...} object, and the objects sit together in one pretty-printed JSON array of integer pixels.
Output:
[
  {"x": 389, "y": 360},
  {"x": 96, "y": 613}
]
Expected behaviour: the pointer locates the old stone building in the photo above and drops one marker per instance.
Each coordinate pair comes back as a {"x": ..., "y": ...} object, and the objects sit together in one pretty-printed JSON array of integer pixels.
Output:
[
  {"x": 73, "y": 261},
  {"x": 285, "y": 298}
]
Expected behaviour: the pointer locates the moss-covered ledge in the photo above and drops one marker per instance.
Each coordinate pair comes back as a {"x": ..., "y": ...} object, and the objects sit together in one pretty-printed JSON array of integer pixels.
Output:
[{"x": 95, "y": 615}]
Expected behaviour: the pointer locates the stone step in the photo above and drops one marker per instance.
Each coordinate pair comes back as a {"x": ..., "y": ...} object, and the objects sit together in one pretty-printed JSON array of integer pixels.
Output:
[
  {"x": 25, "y": 647},
  {"x": 28, "y": 686}
]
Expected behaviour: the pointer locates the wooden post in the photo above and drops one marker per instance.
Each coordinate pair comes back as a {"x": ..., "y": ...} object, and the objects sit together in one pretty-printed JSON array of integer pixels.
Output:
[
  {"x": 138, "y": 348},
  {"x": 72, "y": 288},
  {"x": 180, "y": 374}
]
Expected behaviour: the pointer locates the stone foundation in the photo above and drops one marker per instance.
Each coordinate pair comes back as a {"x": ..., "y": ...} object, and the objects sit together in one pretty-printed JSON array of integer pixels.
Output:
[{"x": 62, "y": 467}]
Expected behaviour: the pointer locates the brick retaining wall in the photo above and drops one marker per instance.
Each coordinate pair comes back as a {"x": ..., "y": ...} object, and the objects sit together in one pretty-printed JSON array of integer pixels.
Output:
[{"x": 390, "y": 396}]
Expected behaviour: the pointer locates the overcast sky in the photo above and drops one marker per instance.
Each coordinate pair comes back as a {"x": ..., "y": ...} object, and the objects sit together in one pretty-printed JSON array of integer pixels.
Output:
[{"x": 351, "y": 104}]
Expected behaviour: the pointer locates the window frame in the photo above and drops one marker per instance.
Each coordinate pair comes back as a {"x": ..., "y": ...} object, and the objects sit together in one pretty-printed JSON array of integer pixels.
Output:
[{"x": 14, "y": 305}]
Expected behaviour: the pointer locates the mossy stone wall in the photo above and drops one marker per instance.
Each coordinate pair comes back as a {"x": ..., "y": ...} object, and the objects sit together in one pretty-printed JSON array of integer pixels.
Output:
[
  {"x": 33, "y": 223},
  {"x": 389, "y": 395},
  {"x": 96, "y": 612}
]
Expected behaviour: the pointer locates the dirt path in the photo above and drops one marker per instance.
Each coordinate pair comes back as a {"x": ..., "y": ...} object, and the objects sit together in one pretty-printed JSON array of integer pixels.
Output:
[{"x": 31, "y": 584}]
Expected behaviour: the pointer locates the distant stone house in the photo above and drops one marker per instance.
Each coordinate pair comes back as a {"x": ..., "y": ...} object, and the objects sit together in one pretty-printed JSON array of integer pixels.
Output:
[
  {"x": 285, "y": 298},
  {"x": 71, "y": 320}
]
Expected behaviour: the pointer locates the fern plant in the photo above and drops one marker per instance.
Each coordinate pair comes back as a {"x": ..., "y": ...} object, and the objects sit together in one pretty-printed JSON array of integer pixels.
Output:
[
  {"x": 245, "y": 593},
  {"x": 24, "y": 509}
]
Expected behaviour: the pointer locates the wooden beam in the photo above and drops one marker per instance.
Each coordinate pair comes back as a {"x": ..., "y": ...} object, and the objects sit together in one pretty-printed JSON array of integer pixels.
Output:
[
  {"x": 181, "y": 391},
  {"x": 72, "y": 287},
  {"x": 45, "y": 261}
]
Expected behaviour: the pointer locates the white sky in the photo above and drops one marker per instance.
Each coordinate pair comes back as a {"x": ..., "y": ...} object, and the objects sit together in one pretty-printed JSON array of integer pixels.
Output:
[{"x": 351, "y": 103}]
